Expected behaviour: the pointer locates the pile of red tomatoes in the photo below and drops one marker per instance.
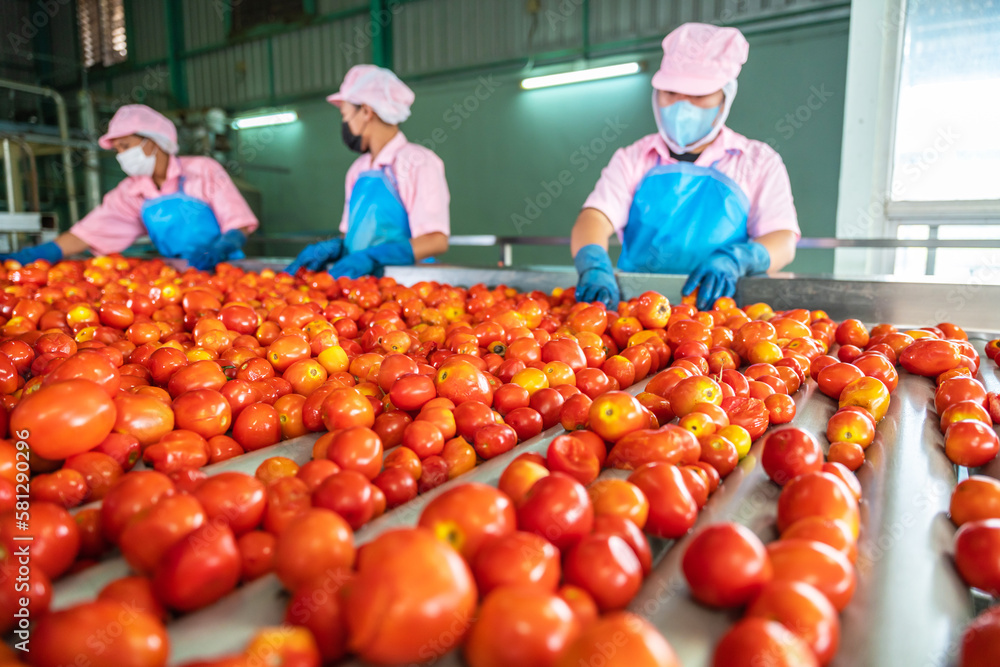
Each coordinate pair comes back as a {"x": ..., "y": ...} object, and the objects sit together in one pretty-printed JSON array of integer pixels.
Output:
[{"x": 122, "y": 379}]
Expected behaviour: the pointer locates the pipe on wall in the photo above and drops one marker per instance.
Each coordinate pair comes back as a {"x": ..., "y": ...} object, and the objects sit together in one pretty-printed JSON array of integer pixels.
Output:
[{"x": 63, "y": 119}]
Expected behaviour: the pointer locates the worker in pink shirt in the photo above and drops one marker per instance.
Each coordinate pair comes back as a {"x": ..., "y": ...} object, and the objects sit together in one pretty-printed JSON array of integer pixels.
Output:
[
  {"x": 695, "y": 198},
  {"x": 188, "y": 206},
  {"x": 396, "y": 207}
]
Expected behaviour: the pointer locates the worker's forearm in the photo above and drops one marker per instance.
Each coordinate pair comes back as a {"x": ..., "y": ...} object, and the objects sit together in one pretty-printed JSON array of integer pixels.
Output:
[
  {"x": 592, "y": 227},
  {"x": 71, "y": 244},
  {"x": 780, "y": 246},
  {"x": 429, "y": 245}
]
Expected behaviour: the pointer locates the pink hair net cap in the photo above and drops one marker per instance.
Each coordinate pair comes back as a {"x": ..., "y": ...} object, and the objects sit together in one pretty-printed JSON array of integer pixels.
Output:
[
  {"x": 143, "y": 121},
  {"x": 699, "y": 59},
  {"x": 379, "y": 88}
]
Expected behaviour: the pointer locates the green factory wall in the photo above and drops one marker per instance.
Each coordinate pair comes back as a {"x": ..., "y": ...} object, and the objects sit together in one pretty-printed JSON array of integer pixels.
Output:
[{"x": 522, "y": 162}]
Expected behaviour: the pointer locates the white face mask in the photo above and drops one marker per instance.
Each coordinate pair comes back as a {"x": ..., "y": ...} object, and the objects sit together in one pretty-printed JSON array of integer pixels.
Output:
[{"x": 135, "y": 162}]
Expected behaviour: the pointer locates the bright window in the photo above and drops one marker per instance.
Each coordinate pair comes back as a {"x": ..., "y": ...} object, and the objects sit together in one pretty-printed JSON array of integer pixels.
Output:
[
  {"x": 980, "y": 265},
  {"x": 947, "y": 139},
  {"x": 102, "y": 32}
]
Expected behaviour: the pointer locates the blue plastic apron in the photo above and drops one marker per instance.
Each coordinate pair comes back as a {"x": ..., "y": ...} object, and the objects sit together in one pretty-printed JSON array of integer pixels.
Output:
[
  {"x": 681, "y": 213},
  {"x": 376, "y": 214},
  {"x": 180, "y": 225}
]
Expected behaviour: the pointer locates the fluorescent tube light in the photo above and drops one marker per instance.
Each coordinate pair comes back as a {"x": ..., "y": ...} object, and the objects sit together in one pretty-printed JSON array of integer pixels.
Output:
[
  {"x": 263, "y": 120},
  {"x": 592, "y": 74}
]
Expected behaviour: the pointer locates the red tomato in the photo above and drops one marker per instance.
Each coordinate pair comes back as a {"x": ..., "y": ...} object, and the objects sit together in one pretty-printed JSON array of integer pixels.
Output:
[
  {"x": 628, "y": 531},
  {"x": 398, "y": 486},
  {"x": 198, "y": 375},
  {"x": 357, "y": 448},
  {"x": 518, "y": 626},
  {"x": 977, "y": 554},
  {"x": 256, "y": 553},
  {"x": 63, "y": 419},
  {"x": 204, "y": 411},
  {"x": 349, "y": 494},
  {"x": 137, "y": 593},
  {"x": 234, "y": 499},
  {"x": 149, "y": 536},
  {"x": 726, "y": 565},
  {"x": 433, "y": 599},
  {"x": 145, "y": 417},
  {"x": 790, "y": 452},
  {"x": 177, "y": 450},
  {"x": 65, "y": 636},
  {"x": 313, "y": 543},
  {"x": 636, "y": 644},
  {"x": 758, "y": 641},
  {"x": 56, "y": 538},
  {"x": 287, "y": 498},
  {"x": 199, "y": 569},
  {"x": 125, "y": 449},
  {"x": 67, "y": 488},
  {"x": 750, "y": 413},
  {"x": 572, "y": 456},
  {"x": 411, "y": 392},
  {"x": 467, "y": 516},
  {"x": 817, "y": 494},
  {"x": 557, "y": 507},
  {"x": 803, "y": 610},
  {"x": 130, "y": 496},
  {"x": 672, "y": 509},
  {"x": 816, "y": 564},
  {"x": 347, "y": 407},
  {"x": 258, "y": 426},
  {"x": 981, "y": 641},
  {"x": 669, "y": 443},
  {"x": 616, "y": 414},
  {"x": 87, "y": 365},
  {"x": 494, "y": 440},
  {"x": 930, "y": 357},
  {"x": 974, "y": 499},
  {"x": 971, "y": 443},
  {"x": 517, "y": 559},
  {"x": 317, "y": 607},
  {"x": 99, "y": 471},
  {"x": 35, "y": 587}
]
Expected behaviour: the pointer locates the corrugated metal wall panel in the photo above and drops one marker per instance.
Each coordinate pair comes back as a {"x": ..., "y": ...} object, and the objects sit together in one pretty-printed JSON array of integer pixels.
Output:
[
  {"x": 435, "y": 35},
  {"x": 150, "y": 85},
  {"x": 331, "y": 6},
  {"x": 620, "y": 20},
  {"x": 232, "y": 76},
  {"x": 148, "y": 40},
  {"x": 316, "y": 59},
  {"x": 204, "y": 23},
  {"x": 64, "y": 32}
]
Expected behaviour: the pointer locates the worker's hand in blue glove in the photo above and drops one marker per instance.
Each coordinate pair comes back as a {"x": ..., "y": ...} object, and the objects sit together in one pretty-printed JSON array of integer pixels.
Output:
[
  {"x": 49, "y": 251},
  {"x": 315, "y": 256},
  {"x": 717, "y": 276},
  {"x": 372, "y": 261},
  {"x": 220, "y": 249},
  {"x": 597, "y": 277}
]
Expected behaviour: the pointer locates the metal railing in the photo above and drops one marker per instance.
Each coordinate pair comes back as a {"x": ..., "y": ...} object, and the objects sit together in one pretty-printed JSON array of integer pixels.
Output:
[{"x": 505, "y": 244}]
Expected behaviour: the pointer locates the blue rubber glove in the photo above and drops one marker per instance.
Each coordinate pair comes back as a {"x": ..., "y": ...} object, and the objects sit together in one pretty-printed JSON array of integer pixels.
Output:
[
  {"x": 372, "y": 261},
  {"x": 597, "y": 277},
  {"x": 48, "y": 251},
  {"x": 314, "y": 256},
  {"x": 717, "y": 275},
  {"x": 220, "y": 249}
]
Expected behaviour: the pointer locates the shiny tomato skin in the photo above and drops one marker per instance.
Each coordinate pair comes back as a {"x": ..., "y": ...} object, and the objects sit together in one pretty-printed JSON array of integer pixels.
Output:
[
  {"x": 357, "y": 448},
  {"x": 628, "y": 531},
  {"x": 257, "y": 426},
  {"x": 558, "y": 508},
  {"x": 287, "y": 498},
  {"x": 817, "y": 494},
  {"x": 62, "y": 638},
  {"x": 130, "y": 496},
  {"x": 234, "y": 499},
  {"x": 974, "y": 499},
  {"x": 672, "y": 508},
  {"x": 758, "y": 641},
  {"x": 977, "y": 545},
  {"x": 981, "y": 641},
  {"x": 317, "y": 607},
  {"x": 790, "y": 452},
  {"x": 349, "y": 494},
  {"x": 517, "y": 559},
  {"x": 66, "y": 418},
  {"x": 149, "y": 536},
  {"x": 433, "y": 597},
  {"x": 805, "y": 611},
  {"x": 199, "y": 569},
  {"x": 36, "y": 589},
  {"x": 204, "y": 411},
  {"x": 468, "y": 516},
  {"x": 930, "y": 357},
  {"x": 637, "y": 644},
  {"x": 518, "y": 626},
  {"x": 398, "y": 486},
  {"x": 145, "y": 417},
  {"x": 816, "y": 564},
  {"x": 87, "y": 365},
  {"x": 726, "y": 565},
  {"x": 314, "y": 543},
  {"x": 56, "y": 537},
  {"x": 750, "y": 413}
]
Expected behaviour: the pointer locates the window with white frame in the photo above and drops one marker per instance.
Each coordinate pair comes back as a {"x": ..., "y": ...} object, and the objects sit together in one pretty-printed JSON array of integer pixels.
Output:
[
  {"x": 102, "y": 32},
  {"x": 946, "y": 145}
]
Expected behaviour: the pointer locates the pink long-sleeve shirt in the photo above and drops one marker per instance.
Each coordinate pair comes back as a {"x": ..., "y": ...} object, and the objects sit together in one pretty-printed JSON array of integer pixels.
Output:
[
  {"x": 420, "y": 178},
  {"x": 117, "y": 222},
  {"x": 754, "y": 165}
]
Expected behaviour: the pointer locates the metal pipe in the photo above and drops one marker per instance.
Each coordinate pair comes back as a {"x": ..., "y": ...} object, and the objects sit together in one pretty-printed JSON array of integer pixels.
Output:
[
  {"x": 63, "y": 119},
  {"x": 8, "y": 175},
  {"x": 92, "y": 170},
  {"x": 32, "y": 170}
]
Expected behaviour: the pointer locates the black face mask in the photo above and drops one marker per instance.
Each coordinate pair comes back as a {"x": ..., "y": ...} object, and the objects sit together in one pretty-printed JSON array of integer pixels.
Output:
[{"x": 351, "y": 140}]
